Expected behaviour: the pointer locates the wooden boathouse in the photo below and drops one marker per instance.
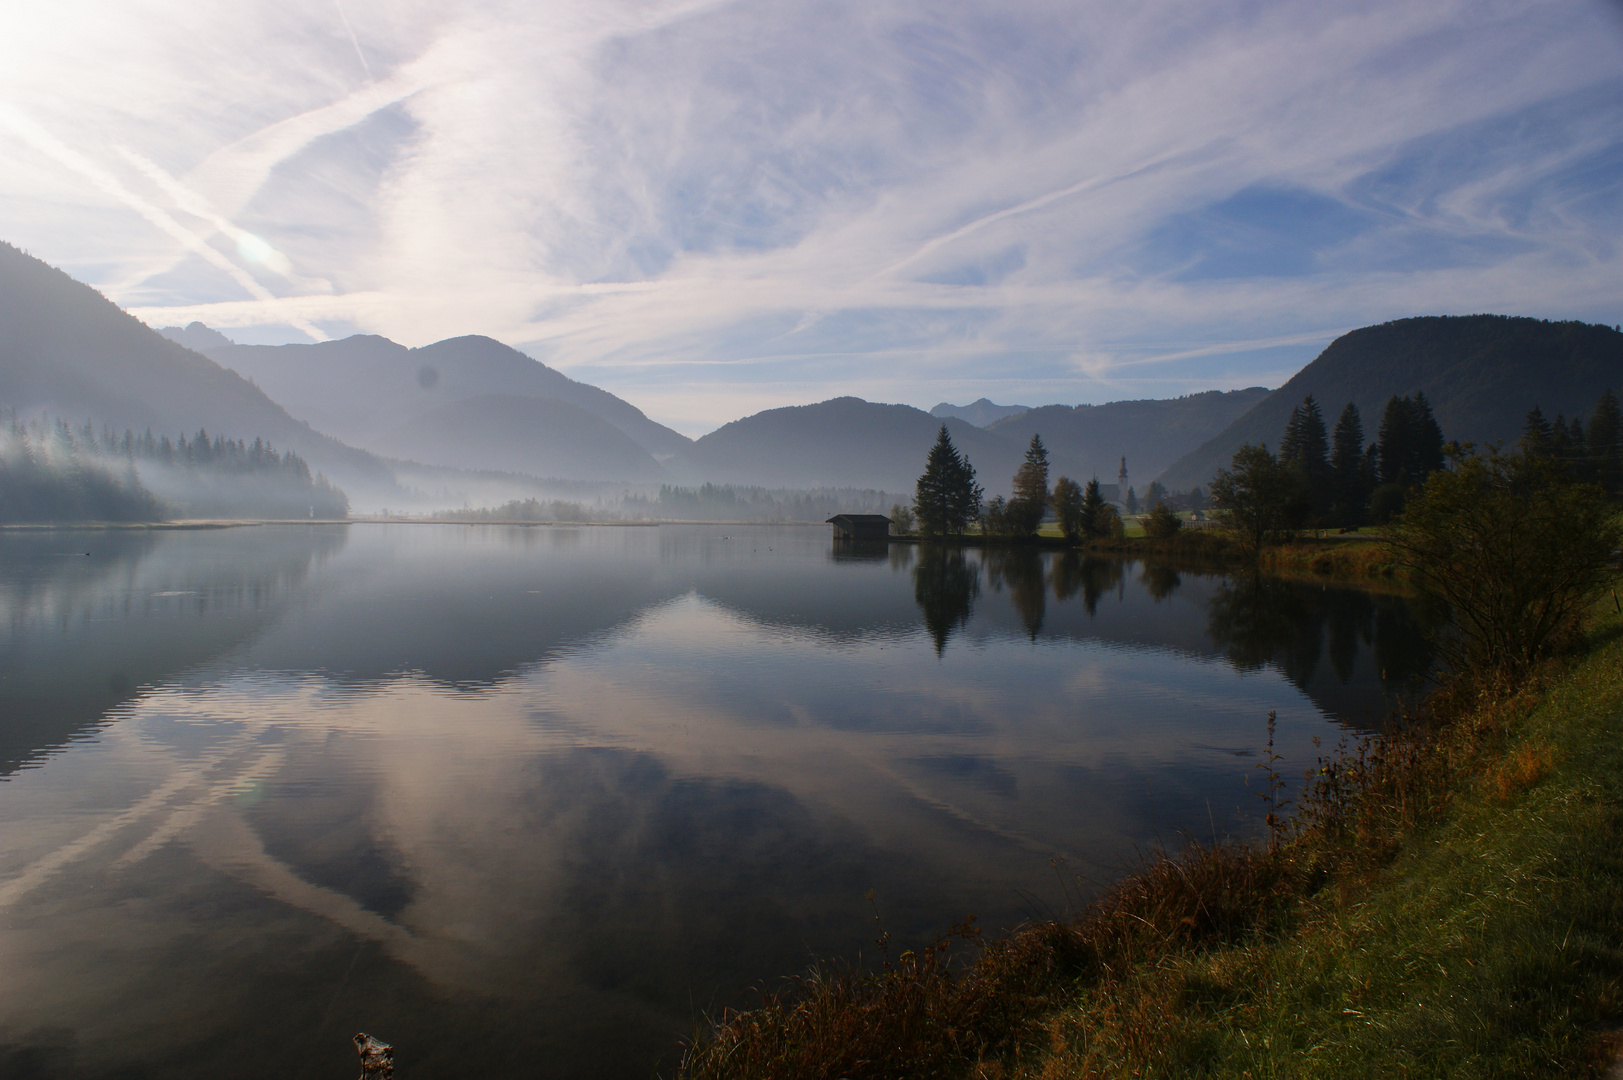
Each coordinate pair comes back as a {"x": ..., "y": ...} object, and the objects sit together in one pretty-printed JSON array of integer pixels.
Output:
[{"x": 860, "y": 526}]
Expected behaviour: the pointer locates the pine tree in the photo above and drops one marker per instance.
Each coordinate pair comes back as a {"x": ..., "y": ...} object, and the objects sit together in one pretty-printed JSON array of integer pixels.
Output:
[
  {"x": 1427, "y": 438},
  {"x": 1538, "y": 436},
  {"x": 1094, "y": 506},
  {"x": 1305, "y": 449},
  {"x": 1351, "y": 480},
  {"x": 1411, "y": 442},
  {"x": 1604, "y": 442},
  {"x": 934, "y": 494},
  {"x": 1394, "y": 441},
  {"x": 1029, "y": 499}
]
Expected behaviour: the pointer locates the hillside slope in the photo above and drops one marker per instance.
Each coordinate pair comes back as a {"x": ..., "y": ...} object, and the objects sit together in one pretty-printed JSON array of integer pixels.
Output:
[
  {"x": 539, "y": 436},
  {"x": 362, "y": 386},
  {"x": 1481, "y": 373},
  {"x": 1090, "y": 440},
  {"x": 846, "y": 442},
  {"x": 67, "y": 350}
]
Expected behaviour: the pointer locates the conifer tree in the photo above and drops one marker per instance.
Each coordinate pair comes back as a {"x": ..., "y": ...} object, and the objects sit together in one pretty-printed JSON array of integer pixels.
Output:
[
  {"x": 946, "y": 497},
  {"x": 1029, "y": 499},
  {"x": 1351, "y": 473},
  {"x": 1305, "y": 450},
  {"x": 1604, "y": 443},
  {"x": 1538, "y": 436},
  {"x": 1094, "y": 520}
]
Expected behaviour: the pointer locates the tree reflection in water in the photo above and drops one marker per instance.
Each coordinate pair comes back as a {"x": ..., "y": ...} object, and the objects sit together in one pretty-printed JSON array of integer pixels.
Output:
[
  {"x": 1159, "y": 580},
  {"x": 1021, "y": 568},
  {"x": 1088, "y": 575},
  {"x": 945, "y": 584},
  {"x": 1260, "y": 620}
]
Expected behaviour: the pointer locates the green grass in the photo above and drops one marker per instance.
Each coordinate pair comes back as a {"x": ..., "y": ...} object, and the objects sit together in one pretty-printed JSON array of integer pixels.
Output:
[{"x": 1491, "y": 946}]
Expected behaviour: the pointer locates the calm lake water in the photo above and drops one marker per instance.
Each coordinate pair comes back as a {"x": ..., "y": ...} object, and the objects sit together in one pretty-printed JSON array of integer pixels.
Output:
[{"x": 530, "y": 801}]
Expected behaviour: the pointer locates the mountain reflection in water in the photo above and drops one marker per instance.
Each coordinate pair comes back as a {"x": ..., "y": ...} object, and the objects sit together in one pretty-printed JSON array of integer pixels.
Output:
[{"x": 507, "y": 795}]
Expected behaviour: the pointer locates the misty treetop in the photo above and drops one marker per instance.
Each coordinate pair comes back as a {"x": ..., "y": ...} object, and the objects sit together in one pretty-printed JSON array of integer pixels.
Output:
[
  {"x": 110, "y": 477},
  {"x": 732, "y": 502}
]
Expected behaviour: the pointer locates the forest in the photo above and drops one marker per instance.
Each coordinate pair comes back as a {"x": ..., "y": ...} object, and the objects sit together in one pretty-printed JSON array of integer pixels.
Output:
[{"x": 51, "y": 471}]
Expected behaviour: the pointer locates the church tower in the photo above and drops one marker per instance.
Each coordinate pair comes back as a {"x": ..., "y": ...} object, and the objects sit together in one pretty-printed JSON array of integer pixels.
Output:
[{"x": 1121, "y": 477}]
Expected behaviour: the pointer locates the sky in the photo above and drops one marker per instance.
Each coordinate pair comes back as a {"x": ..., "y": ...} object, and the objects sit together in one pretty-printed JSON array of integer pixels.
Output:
[{"x": 712, "y": 208}]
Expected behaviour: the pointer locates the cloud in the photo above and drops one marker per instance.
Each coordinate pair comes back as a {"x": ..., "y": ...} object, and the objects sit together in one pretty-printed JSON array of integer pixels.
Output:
[{"x": 717, "y": 202}]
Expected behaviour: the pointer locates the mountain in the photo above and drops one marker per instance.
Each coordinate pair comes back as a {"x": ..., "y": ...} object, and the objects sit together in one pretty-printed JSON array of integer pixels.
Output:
[
  {"x": 982, "y": 413},
  {"x": 195, "y": 336},
  {"x": 363, "y": 386},
  {"x": 1481, "y": 373},
  {"x": 520, "y": 434},
  {"x": 67, "y": 350},
  {"x": 846, "y": 442},
  {"x": 1090, "y": 440}
]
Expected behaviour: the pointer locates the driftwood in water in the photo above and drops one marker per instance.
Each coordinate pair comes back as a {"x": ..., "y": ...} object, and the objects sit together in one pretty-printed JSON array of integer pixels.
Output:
[{"x": 377, "y": 1058}]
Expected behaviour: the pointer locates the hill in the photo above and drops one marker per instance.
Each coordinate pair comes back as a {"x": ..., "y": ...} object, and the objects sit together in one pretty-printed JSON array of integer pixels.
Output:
[
  {"x": 1090, "y": 440},
  {"x": 1481, "y": 373},
  {"x": 68, "y": 351},
  {"x": 846, "y": 442},
  {"x": 540, "y": 436},
  {"x": 363, "y": 386}
]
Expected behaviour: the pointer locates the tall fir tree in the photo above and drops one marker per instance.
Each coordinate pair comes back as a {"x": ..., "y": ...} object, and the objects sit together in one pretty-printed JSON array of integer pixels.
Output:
[
  {"x": 1094, "y": 519},
  {"x": 1304, "y": 449},
  {"x": 1351, "y": 476},
  {"x": 1603, "y": 443},
  {"x": 937, "y": 496},
  {"x": 1538, "y": 434},
  {"x": 1029, "y": 499},
  {"x": 1410, "y": 442},
  {"x": 1428, "y": 440}
]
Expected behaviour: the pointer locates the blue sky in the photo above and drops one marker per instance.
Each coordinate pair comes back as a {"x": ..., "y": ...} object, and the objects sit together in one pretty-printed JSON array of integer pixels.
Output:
[{"x": 711, "y": 208}]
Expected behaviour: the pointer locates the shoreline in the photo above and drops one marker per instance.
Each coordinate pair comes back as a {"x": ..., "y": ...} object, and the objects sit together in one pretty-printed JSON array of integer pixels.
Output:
[{"x": 1447, "y": 898}]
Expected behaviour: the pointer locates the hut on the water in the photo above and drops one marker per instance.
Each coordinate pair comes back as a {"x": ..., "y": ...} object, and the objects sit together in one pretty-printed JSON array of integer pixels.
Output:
[{"x": 860, "y": 526}]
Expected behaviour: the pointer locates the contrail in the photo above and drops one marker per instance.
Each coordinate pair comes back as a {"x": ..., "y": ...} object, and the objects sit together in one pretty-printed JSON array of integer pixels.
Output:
[
  {"x": 48, "y": 144},
  {"x": 353, "y": 40}
]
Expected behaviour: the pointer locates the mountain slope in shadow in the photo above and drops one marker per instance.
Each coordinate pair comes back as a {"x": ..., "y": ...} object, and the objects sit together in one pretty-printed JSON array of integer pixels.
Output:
[
  {"x": 1481, "y": 373},
  {"x": 69, "y": 351},
  {"x": 523, "y": 435},
  {"x": 363, "y": 386}
]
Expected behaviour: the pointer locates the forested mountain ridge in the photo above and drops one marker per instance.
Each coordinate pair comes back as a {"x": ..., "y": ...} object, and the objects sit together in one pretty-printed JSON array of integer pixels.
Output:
[
  {"x": 1481, "y": 374},
  {"x": 67, "y": 350}
]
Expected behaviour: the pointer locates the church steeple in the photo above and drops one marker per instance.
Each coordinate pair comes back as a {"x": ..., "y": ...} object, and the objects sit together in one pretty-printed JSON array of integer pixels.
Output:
[{"x": 1121, "y": 477}]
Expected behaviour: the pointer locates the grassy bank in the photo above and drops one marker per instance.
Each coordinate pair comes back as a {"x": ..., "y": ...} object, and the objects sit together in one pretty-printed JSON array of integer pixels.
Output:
[{"x": 1447, "y": 901}]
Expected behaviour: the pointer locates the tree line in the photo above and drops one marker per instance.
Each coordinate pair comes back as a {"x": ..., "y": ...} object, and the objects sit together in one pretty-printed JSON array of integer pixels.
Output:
[
  {"x": 53, "y": 471},
  {"x": 947, "y": 501},
  {"x": 1341, "y": 482}
]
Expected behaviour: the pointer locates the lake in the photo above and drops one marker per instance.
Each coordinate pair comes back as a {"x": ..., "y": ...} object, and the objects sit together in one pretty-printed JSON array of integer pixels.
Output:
[{"x": 533, "y": 800}]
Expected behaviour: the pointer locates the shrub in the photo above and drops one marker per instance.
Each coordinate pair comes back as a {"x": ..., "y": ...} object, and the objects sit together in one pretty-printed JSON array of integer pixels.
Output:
[
  {"x": 1515, "y": 548},
  {"x": 1161, "y": 523}
]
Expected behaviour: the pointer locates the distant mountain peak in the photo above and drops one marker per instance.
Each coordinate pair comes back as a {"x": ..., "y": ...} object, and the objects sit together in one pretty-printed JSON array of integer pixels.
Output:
[
  {"x": 981, "y": 413},
  {"x": 196, "y": 336}
]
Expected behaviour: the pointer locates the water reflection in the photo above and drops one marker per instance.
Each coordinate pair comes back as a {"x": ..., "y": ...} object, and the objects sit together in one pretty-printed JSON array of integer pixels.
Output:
[
  {"x": 508, "y": 795},
  {"x": 945, "y": 584}
]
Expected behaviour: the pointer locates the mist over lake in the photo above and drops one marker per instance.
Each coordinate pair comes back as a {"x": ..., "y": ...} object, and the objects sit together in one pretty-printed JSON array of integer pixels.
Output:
[{"x": 503, "y": 795}]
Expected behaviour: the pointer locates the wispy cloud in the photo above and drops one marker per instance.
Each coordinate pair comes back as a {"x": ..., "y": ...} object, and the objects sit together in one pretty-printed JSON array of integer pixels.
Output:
[{"x": 709, "y": 207}]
